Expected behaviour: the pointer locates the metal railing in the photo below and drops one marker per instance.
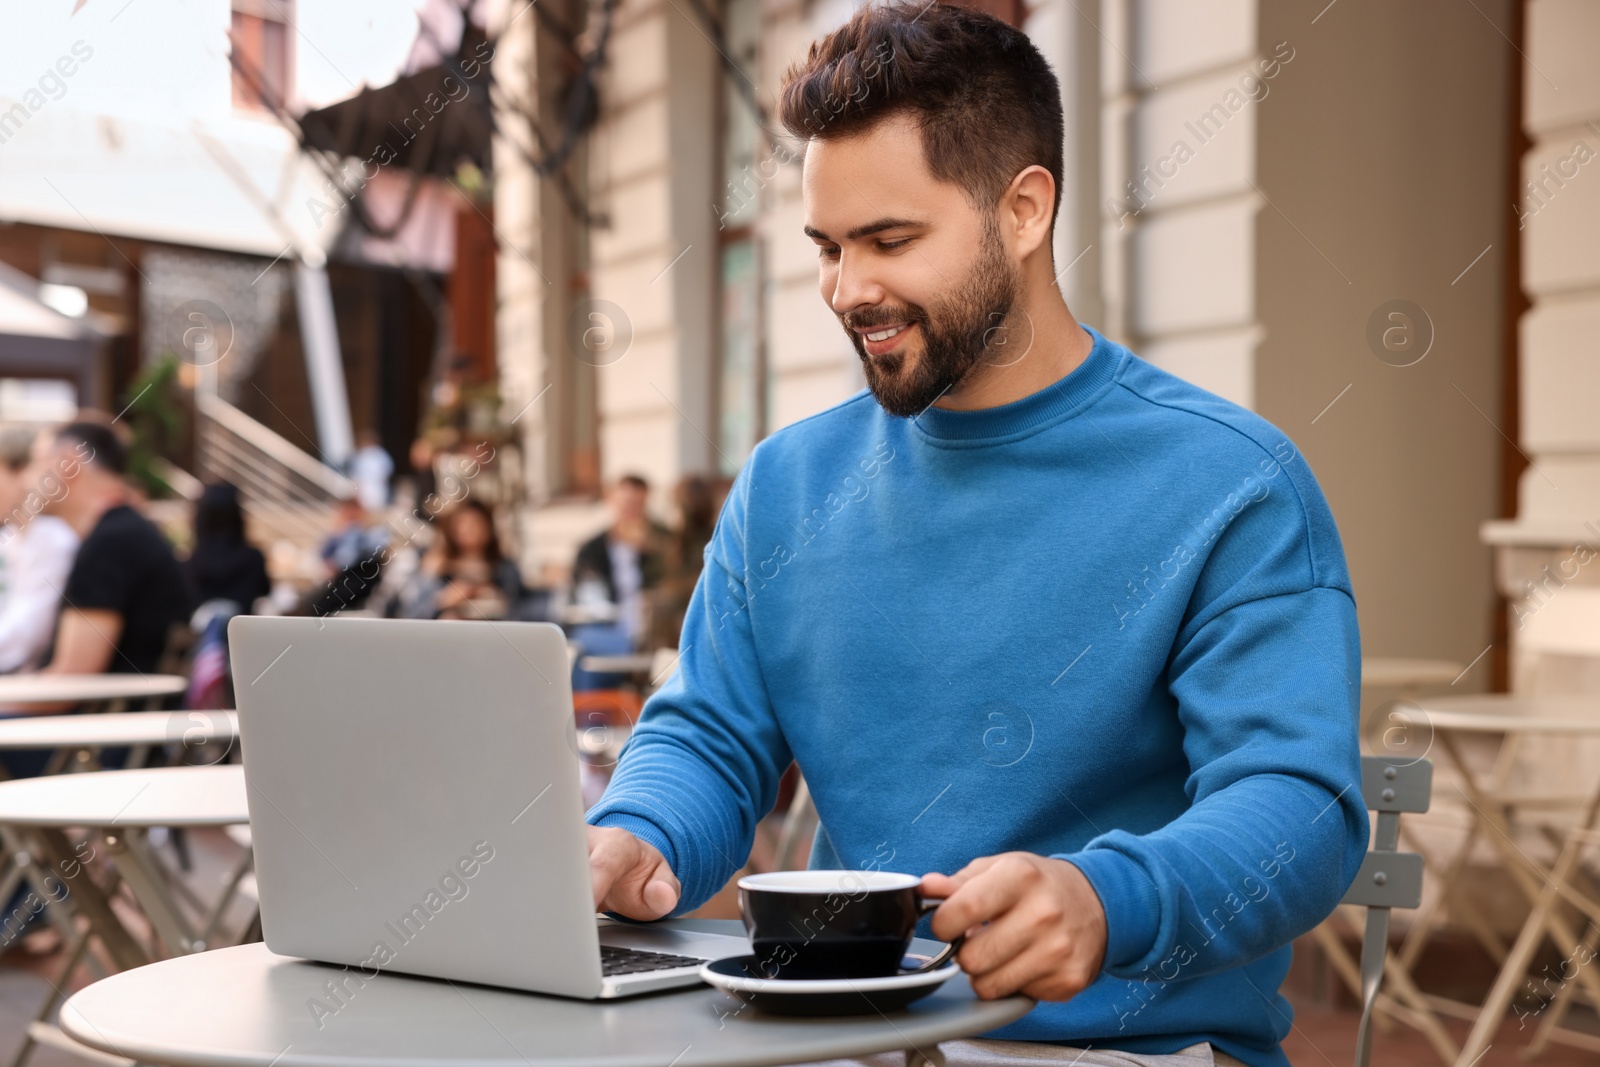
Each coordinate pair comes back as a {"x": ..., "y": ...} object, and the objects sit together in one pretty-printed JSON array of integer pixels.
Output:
[{"x": 284, "y": 491}]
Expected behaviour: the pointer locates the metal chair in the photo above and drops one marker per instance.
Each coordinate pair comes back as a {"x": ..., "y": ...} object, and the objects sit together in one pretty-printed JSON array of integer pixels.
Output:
[{"x": 1388, "y": 879}]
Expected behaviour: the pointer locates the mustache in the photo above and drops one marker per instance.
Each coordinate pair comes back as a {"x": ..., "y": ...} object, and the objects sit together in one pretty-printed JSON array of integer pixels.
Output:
[{"x": 865, "y": 322}]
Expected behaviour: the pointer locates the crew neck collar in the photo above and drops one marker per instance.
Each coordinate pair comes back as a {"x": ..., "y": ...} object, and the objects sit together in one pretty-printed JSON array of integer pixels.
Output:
[{"x": 1059, "y": 400}]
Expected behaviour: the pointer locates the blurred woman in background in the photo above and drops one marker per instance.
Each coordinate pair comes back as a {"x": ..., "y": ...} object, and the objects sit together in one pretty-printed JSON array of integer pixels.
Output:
[
  {"x": 684, "y": 557},
  {"x": 464, "y": 575},
  {"x": 223, "y": 565},
  {"x": 227, "y": 575}
]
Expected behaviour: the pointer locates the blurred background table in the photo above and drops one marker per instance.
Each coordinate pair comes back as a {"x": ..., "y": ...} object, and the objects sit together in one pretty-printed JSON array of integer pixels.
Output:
[
  {"x": 84, "y": 735},
  {"x": 1386, "y": 673},
  {"x": 87, "y": 688},
  {"x": 118, "y": 808},
  {"x": 188, "y": 728},
  {"x": 1502, "y": 809},
  {"x": 624, "y": 663}
]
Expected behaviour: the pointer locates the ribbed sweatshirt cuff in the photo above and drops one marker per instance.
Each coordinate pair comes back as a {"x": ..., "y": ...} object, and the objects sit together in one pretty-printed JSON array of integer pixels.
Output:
[{"x": 1129, "y": 899}]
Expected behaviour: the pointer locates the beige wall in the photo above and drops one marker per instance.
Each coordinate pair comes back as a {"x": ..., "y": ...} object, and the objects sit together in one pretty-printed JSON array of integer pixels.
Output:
[
  {"x": 1384, "y": 146},
  {"x": 1366, "y": 166}
]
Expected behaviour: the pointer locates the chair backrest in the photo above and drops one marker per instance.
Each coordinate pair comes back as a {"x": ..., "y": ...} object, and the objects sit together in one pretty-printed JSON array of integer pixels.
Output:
[
  {"x": 1388, "y": 878},
  {"x": 1391, "y": 879}
]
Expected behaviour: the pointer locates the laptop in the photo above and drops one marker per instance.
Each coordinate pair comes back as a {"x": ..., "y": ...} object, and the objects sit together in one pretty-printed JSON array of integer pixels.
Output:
[{"x": 415, "y": 807}]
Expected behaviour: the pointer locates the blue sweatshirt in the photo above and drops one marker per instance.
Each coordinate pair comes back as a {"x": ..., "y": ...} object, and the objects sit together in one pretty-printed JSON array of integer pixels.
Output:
[{"x": 1110, "y": 622}]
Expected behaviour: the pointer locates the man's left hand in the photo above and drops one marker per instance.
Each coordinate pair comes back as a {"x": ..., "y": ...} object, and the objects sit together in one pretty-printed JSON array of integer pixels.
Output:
[{"x": 1034, "y": 925}]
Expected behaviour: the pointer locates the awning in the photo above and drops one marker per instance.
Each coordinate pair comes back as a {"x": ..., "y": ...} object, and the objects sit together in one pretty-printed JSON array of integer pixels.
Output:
[{"x": 429, "y": 122}]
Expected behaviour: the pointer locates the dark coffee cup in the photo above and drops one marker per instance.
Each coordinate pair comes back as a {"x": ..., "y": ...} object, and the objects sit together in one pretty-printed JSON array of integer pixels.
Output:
[{"x": 834, "y": 924}]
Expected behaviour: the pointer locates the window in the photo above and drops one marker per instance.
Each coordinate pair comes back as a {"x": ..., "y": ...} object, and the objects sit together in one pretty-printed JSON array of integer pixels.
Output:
[
  {"x": 260, "y": 36},
  {"x": 742, "y": 386}
]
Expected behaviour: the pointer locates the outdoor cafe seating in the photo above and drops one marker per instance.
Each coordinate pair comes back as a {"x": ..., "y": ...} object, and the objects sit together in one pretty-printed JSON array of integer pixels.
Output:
[{"x": 1472, "y": 775}]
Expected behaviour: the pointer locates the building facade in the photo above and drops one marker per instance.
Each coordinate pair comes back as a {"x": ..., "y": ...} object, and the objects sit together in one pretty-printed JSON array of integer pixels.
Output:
[{"x": 1306, "y": 208}]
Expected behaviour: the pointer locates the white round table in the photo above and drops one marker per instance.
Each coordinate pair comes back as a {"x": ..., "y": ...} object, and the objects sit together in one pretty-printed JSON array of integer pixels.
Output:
[
  {"x": 628, "y": 663},
  {"x": 162, "y": 796},
  {"x": 581, "y": 614},
  {"x": 48, "y": 688},
  {"x": 1502, "y": 712},
  {"x": 83, "y": 734},
  {"x": 246, "y": 1007},
  {"x": 128, "y": 728},
  {"x": 120, "y": 806},
  {"x": 1387, "y": 673},
  {"x": 1512, "y": 716}
]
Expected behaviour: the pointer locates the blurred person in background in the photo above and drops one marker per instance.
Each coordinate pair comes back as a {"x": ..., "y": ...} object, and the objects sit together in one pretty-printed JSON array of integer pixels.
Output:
[
  {"x": 354, "y": 556},
  {"x": 371, "y": 468},
  {"x": 464, "y": 575},
  {"x": 624, "y": 560},
  {"x": 227, "y": 575},
  {"x": 423, "y": 482},
  {"x": 223, "y": 565},
  {"x": 125, "y": 591},
  {"x": 611, "y": 576},
  {"x": 684, "y": 558},
  {"x": 353, "y": 539},
  {"x": 36, "y": 553}
]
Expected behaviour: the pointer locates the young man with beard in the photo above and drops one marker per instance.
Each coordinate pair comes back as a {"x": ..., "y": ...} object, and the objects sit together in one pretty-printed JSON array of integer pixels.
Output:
[
  {"x": 125, "y": 591},
  {"x": 1073, "y": 635}
]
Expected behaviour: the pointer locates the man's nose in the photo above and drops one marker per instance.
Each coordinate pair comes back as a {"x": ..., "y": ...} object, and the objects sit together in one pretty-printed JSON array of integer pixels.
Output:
[{"x": 853, "y": 287}]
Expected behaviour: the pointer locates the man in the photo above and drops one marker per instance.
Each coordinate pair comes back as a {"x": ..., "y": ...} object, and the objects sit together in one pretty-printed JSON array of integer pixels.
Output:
[
  {"x": 625, "y": 559},
  {"x": 125, "y": 591},
  {"x": 1069, "y": 633},
  {"x": 353, "y": 538},
  {"x": 36, "y": 553},
  {"x": 354, "y": 556},
  {"x": 371, "y": 468}
]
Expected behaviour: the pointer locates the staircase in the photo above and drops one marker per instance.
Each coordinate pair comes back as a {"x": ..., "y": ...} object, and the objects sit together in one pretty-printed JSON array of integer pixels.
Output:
[{"x": 287, "y": 495}]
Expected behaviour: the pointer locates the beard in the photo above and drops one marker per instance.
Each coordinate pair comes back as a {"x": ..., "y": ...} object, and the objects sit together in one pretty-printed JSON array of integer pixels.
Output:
[{"x": 955, "y": 334}]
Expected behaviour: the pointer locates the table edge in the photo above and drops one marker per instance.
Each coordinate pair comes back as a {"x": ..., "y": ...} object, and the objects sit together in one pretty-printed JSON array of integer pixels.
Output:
[
  {"x": 1496, "y": 723},
  {"x": 998, "y": 1013}
]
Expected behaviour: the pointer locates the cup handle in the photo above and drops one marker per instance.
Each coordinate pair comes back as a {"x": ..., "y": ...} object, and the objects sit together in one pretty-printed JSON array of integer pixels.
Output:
[{"x": 949, "y": 951}]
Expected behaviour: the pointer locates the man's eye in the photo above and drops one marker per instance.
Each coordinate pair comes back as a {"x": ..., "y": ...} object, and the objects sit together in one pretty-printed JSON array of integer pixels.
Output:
[
  {"x": 889, "y": 246},
  {"x": 827, "y": 253}
]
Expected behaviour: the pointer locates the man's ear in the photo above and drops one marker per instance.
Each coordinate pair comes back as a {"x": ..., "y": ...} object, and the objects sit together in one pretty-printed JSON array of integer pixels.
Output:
[{"x": 1028, "y": 208}]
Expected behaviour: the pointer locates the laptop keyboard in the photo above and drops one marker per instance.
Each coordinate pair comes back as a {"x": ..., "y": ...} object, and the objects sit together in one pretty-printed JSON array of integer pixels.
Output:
[{"x": 618, "y": 961}]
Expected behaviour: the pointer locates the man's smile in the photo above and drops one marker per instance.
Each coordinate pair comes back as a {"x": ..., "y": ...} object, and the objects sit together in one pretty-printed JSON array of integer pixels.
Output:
[{"x": 879, "y": 340}]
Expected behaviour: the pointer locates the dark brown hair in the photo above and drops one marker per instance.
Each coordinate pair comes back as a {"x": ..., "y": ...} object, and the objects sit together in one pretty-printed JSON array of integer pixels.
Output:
[
  {"x": 106, "y": 449},
  {"x": 447, "y": 531},
  {"x": 987, "y": 103}
]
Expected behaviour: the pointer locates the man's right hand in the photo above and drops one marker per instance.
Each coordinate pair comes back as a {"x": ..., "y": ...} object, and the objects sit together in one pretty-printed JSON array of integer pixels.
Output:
[{"x": 629, "y": 876}]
